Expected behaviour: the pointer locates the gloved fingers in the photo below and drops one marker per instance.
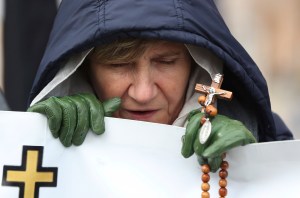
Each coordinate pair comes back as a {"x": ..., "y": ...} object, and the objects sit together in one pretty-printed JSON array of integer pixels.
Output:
[
  {"x": 198, "y": 147},
  {"x": 226, "y": 143},
  {"x": 96, "y": 113},
  {"x": 227, "y": 135},
  {"x": 82, "y": 126},
  {"x": 192, "y": 113},
  {"x": 69, "y": 119},
  {"x": 52, "y": 110},
  {"x": 214, "y": 163},
  {"x": 202, "y": 160},
  {"x": 111, "y": 105},
  {"x": 190, "y": 135}
]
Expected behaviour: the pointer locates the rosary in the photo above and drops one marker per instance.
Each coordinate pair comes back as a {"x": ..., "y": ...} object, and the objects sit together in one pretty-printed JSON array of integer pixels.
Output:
[{"x": 211, "y": 111}]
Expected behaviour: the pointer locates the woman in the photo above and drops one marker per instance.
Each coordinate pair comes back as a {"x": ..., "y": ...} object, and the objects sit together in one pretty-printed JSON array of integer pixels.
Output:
[{"x": 150, "y": 54}]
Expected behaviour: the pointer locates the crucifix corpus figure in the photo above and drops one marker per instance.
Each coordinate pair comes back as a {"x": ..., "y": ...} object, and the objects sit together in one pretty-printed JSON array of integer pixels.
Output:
[{"x": 213, "y": 90}]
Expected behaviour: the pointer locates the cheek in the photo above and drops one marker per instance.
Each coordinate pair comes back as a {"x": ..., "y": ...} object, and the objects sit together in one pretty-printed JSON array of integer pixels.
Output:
[
  {"x": 174, "y": 88},
  {"x": 178, "y": 81},
  {"x": 176, "y": 94},
  {"x": 107, "y": 85}
]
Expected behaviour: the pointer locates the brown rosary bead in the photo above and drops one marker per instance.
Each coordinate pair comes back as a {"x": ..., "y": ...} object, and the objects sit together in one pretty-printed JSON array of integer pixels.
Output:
[
  {"x": 201, "y": 100},
  {"x": 222, "y": 192},
  {"x": 205, "y": 195},
  {"x": 223, "y": 183},
  {"x": 205, "y": 187},
  {"x": 223, "y": 174},
  {"x": 211, "y": 110},
  {"x": 224, "y": 165},
  {"x": 205, "y": 168},
  {"x": 205, "y": 177}
]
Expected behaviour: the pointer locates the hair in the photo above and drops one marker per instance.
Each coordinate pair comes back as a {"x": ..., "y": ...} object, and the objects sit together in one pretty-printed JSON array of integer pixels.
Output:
[{"x": 124, "y": 50}]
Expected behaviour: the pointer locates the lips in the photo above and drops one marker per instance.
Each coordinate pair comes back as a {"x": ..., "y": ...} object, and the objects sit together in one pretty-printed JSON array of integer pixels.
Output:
[{"x": 144, "y": 115}]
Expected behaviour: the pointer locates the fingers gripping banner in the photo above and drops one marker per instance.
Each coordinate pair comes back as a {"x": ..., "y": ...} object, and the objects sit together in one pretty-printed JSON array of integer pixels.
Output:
[{"x": 132, "y": 159}]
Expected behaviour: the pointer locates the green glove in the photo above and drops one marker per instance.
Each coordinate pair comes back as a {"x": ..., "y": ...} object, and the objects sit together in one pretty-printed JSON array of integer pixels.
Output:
[
  {"x": 71, "y": 117},
  {"x": 225, "y": 135}
]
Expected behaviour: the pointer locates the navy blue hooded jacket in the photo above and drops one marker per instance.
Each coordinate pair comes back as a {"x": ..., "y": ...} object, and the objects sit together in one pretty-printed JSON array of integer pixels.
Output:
[{"x": 83, "y": 24}]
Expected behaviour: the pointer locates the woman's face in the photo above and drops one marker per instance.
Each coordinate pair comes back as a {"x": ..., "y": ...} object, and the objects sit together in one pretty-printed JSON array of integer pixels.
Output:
[{"x": 152, "y": 86}]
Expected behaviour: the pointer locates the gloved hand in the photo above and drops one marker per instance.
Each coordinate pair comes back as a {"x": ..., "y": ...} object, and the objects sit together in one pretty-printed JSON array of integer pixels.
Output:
[
  {"x": 225, "y": 135},
  {"x": 71, "y": 117}
]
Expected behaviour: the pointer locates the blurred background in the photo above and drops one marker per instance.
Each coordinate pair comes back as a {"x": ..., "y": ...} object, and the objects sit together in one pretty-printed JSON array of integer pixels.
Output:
[{"x": 269, "y": 30}]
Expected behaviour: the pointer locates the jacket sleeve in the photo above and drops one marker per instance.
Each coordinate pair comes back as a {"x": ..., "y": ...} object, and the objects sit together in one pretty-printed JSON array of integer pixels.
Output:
[{"x": 282, "y": 131}]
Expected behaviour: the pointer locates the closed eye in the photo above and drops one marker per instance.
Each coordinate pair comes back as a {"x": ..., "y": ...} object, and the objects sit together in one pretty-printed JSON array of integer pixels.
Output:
[
  {"x": 166, "y": 62},
  {"x": 119, "y": 64}
]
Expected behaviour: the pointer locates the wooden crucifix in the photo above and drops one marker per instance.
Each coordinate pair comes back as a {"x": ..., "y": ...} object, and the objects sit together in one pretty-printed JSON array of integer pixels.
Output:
[{"x": 214, "y": 90}]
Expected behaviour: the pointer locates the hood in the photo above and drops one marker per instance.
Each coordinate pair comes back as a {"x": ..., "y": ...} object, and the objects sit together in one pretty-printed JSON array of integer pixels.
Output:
[{"x": 81, "y": 25}]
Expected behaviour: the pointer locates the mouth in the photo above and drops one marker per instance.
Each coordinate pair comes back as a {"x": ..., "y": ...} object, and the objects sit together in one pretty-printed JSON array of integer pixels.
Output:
[{"x": 146, "y": 115}]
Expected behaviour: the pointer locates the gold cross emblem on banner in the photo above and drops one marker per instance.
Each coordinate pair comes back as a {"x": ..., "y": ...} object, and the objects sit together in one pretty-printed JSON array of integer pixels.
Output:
[{"x": 30, "y": 176}]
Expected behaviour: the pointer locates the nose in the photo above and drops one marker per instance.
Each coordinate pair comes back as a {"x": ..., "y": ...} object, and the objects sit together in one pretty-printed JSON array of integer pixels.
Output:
[{"x": 143, "y": 88}]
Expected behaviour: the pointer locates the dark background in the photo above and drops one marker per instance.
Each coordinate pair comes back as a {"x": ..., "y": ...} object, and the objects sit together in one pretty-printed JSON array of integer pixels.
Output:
[{"x": 27, "y": 25}]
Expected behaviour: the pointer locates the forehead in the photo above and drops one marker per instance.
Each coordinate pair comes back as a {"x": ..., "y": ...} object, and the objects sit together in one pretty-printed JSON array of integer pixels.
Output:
[
  {"x": 166, "y": 44},
  {"x": 166, "y": 47},
  {"x": 129, "y": 49}
]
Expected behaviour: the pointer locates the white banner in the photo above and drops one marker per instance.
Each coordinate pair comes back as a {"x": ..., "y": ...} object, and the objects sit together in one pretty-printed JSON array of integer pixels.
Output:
[{"x": 132, "y": 159}]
